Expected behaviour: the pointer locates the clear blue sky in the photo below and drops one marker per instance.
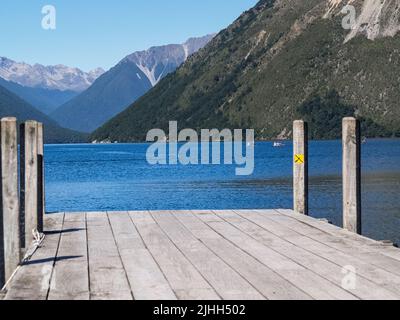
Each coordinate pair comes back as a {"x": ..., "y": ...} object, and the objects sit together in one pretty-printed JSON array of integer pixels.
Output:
[{"x": 99, "y": 33}]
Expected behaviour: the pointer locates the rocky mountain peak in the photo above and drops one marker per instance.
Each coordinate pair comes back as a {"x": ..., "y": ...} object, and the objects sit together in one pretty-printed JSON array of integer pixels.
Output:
[
  {"x": 58, "y": 77},
  {"x": 156, "y": 62}
]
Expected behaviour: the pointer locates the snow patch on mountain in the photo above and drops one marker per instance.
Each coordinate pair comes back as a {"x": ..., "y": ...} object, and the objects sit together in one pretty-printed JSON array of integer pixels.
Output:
[
  {"x": 150, "y": 73},
  {"x": 186, "y": 49}
]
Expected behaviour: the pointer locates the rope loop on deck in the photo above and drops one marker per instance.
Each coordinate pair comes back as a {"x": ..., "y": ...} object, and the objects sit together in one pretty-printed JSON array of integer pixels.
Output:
[{"x": 37, "y": 241}]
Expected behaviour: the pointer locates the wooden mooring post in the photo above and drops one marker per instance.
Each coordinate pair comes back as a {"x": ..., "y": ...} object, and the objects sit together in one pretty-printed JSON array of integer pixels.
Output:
[
  {"x": 28, "y": 181},
  {"x": 352, "y": 175},
  {"x": 9, "y": 211},
  {"x": 300, "y": 166}
]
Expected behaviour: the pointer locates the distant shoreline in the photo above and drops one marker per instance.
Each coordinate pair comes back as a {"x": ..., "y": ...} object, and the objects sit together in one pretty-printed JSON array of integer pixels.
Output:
[{"x": 256, "y": 141}]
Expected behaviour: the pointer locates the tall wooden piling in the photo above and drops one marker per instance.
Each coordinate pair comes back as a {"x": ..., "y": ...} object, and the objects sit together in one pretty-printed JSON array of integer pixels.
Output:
[
  {"x": 352, "y": 175},
  {"x": 40, "y": 183},
  {"x": 9, "y": 211},
  {"x": 300, "y": 167},
  {"x": 29, "y": 181}
]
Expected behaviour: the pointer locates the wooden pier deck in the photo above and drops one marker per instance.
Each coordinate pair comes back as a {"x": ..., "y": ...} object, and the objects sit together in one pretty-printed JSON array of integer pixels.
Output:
[{"x": 228, "y": 255}]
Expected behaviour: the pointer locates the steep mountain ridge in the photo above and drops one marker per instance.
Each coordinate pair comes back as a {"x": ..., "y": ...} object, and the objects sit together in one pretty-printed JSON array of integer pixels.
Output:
[
  {"x": 13, "y": 106},
  {"x": 275, "y": 57},
  {"x": 123, "y": 84},
  {"x": 44, "y": 100}
]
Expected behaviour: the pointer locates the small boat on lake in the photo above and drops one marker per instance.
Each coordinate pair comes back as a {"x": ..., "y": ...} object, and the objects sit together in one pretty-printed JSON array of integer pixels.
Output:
[{"x": 278, "y": 144}]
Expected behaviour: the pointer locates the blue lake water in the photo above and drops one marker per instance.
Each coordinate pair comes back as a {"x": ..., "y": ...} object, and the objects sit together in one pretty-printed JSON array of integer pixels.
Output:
[{"x": 117, "y": 177}]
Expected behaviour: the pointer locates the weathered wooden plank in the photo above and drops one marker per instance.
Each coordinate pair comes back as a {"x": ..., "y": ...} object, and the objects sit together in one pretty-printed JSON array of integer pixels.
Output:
[
  {"x": 32, "y": 281},
  {"x": 226, "y": 282},
  {"x": 9, "y": 212},
  {"x": 356, "y": 240},
  {"x": 70, "y": 279},
  {"x": 182, "y": 276},
  {"x": 310, "y": 282},
  {"x": 383, "y": 280},
  {"x": 107, "y": 276},
  {"x": 266, "y": 281},
  {"x": 145, "y": 276},
  {"x": 310, "y": 242},
  {"x": 346, "y": 245},
  {"x": 29, "y": 179},
  {"x": 322, "y": 260}
]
